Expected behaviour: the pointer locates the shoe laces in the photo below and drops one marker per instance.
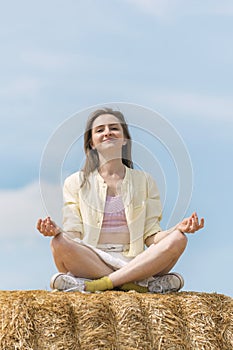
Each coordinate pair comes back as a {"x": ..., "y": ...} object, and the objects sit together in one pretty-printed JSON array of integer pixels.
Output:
[
  {"x": 66, "y": 282},
  {"x": 165, "y": 284},
  {"x": 75, "y": 289}
]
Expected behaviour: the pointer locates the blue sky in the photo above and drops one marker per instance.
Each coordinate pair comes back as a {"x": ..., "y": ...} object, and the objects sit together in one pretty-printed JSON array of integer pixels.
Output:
[{"x": 170, "y": 56}]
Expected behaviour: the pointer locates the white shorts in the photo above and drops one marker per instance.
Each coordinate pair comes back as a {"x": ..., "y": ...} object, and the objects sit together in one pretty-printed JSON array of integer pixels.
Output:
[{"x": 112, "y": 255}]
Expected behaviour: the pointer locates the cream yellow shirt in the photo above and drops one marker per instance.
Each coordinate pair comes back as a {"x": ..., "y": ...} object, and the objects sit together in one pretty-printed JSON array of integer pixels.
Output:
[{"x": 83, "y": 209}]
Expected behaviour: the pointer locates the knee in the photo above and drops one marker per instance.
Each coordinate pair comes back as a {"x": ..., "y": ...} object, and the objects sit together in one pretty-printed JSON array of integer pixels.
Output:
[
  {"x": 57, "y": 243},
  {"x": 61, "y": 245},
  {"x": 177, "y": 243}
]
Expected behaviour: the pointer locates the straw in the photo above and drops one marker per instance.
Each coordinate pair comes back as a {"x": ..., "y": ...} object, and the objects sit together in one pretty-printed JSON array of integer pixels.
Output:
[{"x": 37, "y": 320}]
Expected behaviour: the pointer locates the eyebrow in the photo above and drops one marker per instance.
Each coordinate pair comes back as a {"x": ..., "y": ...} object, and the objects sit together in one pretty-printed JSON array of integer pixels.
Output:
[{"x": 112, "y": 124}]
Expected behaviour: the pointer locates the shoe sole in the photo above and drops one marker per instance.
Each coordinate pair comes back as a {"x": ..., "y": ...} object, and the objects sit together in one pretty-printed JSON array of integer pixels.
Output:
[
  {"x": 71, "y": 289},
  {"x": 180, "y": 278},
  {"x": 53, "y": 279}
]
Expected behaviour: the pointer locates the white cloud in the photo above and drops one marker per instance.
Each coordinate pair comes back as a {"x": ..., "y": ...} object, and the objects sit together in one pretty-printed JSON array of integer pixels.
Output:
[
  {"x": 50, "y": 60},
  {"x": 188, "y": 104},
  {"x": 22, "y": 207},
  {"x": 193, "y": 104},
  {"x": 176, "y": 8},
  {"x": 221, "y": 8},
  {"x": 156, "y": 7},
  {"x": 25, "y": 86}
]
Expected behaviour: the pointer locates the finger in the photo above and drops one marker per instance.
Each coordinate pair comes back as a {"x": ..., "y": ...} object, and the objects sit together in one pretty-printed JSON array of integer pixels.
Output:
[
  {"x": 38, "y": 224},
  {"x": 50, "y": 220},
  {"x": 47, "y": 221},
  {"x": 43, "y": 226},
  {"x": 51, "y": 223},
  {"x": 194, "y": 215},
  {"x": 47, "y": 232},
  {"x": 192, "y": 224},
  {"x": 202, "y": 222},
  {"x": 189, "y": 223},
  {"x": 188, "y": 226},
  {"x": 196, "y": 219},
  {"x": 52, "y": 230},
  {"x": 201, "y": 225},
  {"x": 49, "y": 227},
  {"x": 195, "y": 222}
]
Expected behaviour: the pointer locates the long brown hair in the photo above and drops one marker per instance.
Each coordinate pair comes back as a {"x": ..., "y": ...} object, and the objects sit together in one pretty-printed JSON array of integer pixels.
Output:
[{"x": 92, "y": 158}]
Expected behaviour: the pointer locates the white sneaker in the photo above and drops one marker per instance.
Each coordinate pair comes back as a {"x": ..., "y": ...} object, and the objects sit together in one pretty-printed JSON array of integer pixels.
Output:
[
  {"x": 170, "y": 282},
  {"x": 67, "y": 283}
]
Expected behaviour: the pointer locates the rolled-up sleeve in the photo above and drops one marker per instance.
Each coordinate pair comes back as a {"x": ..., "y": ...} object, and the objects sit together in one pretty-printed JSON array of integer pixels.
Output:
[
  {"x": 153, "y": 209},
  {"x": 72, "y": 219}
]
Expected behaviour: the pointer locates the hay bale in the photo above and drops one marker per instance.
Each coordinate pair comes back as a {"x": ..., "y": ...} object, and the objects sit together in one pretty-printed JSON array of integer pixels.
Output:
[{"x": 37, "y": 320}]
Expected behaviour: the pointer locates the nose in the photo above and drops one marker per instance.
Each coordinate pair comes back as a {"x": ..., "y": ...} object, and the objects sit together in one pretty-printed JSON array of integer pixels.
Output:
[{"x": 107, "y": 131}]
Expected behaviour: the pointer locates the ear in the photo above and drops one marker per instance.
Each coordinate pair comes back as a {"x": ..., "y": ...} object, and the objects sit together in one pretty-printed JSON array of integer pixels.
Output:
[
  {"x": 91, "y": 145},
  {"x": 125, "y": 142}
]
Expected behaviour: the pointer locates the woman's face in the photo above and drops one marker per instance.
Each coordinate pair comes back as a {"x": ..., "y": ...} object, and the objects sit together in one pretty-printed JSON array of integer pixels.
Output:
[{"x": 107, "y": 133}]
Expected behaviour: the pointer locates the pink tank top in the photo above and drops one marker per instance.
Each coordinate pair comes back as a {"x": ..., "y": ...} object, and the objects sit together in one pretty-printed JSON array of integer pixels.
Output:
[{"x": 114, "y": 219}]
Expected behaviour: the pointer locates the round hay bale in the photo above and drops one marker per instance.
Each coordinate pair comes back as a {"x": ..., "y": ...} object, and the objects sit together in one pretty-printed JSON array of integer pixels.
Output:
[{"x": 37, "y": 320}]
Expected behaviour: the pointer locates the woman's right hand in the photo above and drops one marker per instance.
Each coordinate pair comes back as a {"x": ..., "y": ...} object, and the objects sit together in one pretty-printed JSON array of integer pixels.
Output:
[{"x": 47, "y": 227}]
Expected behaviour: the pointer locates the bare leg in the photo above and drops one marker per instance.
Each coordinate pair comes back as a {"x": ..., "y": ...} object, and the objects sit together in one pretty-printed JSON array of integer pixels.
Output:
[
  {"x": 158, "y": 259},
  {"x": 81, "y": 261}
]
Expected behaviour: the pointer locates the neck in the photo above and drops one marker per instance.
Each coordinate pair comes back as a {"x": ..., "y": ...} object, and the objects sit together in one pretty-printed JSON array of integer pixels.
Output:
[{"x": 112, "y": 167}]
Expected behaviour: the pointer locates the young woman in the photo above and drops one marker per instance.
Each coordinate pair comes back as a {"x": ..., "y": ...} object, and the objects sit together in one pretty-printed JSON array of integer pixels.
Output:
[{"x": 111, "y": 212}]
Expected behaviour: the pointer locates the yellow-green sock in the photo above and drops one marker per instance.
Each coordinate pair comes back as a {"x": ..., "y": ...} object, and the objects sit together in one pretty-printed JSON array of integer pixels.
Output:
[
  {"x": 132, "y": 286},
  {"x": 103, "y": 283}
]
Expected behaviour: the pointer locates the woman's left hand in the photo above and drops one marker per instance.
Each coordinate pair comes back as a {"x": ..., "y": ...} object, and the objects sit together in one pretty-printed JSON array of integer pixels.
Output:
[{"x": 191, "y": 224}]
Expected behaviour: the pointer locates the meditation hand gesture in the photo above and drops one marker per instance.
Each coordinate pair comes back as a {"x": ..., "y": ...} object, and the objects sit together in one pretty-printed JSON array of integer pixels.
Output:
[
  {"x": 191, "y": 224},
  {"x": 48, "y": 227}
]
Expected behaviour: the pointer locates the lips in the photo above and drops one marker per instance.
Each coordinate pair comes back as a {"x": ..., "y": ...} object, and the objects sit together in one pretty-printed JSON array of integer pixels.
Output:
[{"x": 109, "y": 139}]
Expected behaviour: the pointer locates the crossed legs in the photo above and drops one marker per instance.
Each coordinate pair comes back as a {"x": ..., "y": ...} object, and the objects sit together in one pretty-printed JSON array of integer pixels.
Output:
[
  {"x": 81, "y": 261},
  {"x": 158, "y": 259}
]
